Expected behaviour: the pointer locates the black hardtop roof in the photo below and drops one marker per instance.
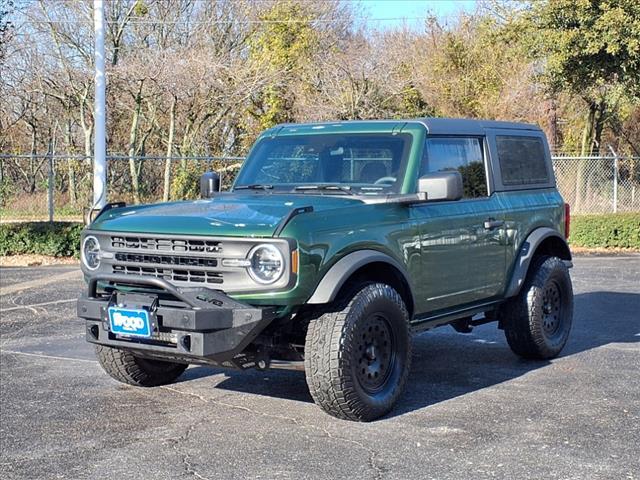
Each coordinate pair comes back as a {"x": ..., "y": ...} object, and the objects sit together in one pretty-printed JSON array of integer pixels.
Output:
[
  {"x": 436, "y": 126},
  {"x": 465, "y": 125}
]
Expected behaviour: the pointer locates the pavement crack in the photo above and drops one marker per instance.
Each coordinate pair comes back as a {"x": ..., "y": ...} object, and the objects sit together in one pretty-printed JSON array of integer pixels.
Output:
[
  {"x": 372, "y": 454},
  {"x": 216, "y": 401},
  {"x": 190, "y": 470},
  {"x": 371, "y": 461},
  {"x": 185, "y": 457},
  {"x": 188, "y": 394}
]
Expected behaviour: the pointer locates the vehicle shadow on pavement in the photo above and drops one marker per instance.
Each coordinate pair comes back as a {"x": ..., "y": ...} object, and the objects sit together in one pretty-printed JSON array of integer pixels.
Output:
[
  {"x": 448, "y": 365},
  {"x": 284, "y": 384}
]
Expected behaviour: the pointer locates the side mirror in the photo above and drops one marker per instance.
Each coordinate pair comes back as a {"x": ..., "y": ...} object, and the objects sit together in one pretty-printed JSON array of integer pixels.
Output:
[
  {"x": 91, "y": 214},
  {"x": 441, "y": 186},
  {"x": 209, "y": 184}
]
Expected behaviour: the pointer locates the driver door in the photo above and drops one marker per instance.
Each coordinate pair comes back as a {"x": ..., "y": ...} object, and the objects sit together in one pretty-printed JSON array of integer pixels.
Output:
[{"x": 461, "y": 242}]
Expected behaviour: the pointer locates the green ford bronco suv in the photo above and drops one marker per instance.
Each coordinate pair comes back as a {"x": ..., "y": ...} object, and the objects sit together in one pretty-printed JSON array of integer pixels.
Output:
[{"x": 336, "y": 243}]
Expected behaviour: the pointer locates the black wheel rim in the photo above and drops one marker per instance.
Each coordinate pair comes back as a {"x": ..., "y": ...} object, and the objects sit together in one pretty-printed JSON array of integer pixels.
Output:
[
  {"x": 375, "y": 353},
  {"x": 551, "y": 309}
]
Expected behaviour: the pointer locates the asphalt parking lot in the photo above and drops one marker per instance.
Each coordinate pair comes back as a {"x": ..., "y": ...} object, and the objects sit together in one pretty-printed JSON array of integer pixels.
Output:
[{"x": 472, "y": 409}]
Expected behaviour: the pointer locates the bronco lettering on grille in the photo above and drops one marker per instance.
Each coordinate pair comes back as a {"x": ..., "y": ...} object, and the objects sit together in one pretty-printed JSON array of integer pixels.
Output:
[
  {"x": 166, "y": 244},
  {"x": 166, "y": 260}
]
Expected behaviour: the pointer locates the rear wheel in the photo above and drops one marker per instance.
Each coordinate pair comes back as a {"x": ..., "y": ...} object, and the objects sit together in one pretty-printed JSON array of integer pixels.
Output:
[
  {"x": 357, "y": 358},
  {"x": 128, "y": 368},
  {"x": 537, "y": 322}
]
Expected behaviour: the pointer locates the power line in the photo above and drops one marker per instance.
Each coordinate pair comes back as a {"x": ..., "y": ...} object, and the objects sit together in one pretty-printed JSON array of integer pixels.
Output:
[{"x": 221, "y": 22}]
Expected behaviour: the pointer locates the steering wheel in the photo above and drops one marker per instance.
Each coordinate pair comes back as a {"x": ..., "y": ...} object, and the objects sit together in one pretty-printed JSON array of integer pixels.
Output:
[{"x": 385, "y": 180}]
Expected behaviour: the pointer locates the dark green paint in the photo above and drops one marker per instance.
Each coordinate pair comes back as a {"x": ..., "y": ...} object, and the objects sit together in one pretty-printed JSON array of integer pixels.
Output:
[{"x": 450, "y": 257}]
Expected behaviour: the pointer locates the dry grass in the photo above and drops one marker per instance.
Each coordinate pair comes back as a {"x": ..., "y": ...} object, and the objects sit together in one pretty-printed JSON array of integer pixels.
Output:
[{"x": 35, "y": 261}]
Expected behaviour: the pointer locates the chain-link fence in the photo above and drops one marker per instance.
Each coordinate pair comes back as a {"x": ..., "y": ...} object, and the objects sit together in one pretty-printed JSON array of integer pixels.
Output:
[
  {"x": 42, "y": 187},
  {"x": 599, "y": 184}
]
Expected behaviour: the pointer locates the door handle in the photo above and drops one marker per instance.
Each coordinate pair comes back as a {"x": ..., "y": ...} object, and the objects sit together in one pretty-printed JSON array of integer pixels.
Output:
[{"x": 490, "y": 223}]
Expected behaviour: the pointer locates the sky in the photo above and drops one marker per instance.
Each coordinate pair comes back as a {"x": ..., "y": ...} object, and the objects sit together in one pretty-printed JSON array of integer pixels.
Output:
[{"x": 410, "y": 9}]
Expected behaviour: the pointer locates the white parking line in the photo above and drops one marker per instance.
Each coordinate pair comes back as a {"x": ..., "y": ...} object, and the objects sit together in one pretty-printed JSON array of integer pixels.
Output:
[
  {"x": 38, "y": 305},
  {"x": 39, "y": 282},
  {"x": 39, "y": 355}
]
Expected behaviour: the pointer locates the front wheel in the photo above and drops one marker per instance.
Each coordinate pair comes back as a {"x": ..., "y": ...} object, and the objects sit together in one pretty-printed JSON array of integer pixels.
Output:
[
  {"x": 131, "y": 369},
  {"x": 357, "y": 358},
  {"x": 537, "y": 322}
]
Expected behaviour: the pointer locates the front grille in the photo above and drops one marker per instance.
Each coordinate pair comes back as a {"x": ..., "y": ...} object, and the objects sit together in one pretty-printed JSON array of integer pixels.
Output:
[
  {"x": 185, "y": 260},
  {"x": 166, "y": 260},
  {"x": 171, "y": 274},
  {"x": 165, "y": 244},
  {"x": 177, "y": 260}
]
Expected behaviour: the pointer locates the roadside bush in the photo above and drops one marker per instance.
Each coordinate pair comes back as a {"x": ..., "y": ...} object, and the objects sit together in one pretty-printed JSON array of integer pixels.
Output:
[
  {"x": 186, "y": 183},
  {"x": 616, "y": 230},
  {"x": 62, "y": 239},
  {"x": 58, "y": 239}
]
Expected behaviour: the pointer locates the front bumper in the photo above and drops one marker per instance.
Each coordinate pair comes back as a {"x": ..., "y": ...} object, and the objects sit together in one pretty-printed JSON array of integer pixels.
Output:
[{"x": 191, "y": 325}]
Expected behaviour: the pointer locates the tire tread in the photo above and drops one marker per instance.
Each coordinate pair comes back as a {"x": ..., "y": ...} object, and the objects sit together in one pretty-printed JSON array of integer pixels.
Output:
[
  {"x": 328, "y": 354},
  {"x": 521, "y": 314},
  {"x": 124, "y": 366}
]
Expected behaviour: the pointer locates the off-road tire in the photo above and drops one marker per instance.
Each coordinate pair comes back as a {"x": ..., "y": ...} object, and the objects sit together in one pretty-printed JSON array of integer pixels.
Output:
[
  {"x": 341, "y": 347},
  {"x": 538, "y": 320},
  {"x": 128, "y": 368}
]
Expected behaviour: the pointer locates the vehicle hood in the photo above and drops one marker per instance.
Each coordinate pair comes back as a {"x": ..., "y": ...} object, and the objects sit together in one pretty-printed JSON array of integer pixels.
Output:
[{"x": 242, "y": 215}]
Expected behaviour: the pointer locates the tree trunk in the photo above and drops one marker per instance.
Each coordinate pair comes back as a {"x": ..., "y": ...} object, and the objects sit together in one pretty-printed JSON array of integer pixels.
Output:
[
  {"x": 87, "y": 130},
  {"x": 133, "y": 134},
  {"x": 32, "y": 161},
  {"x": 591, "y": 139},
  {"x": 185, "y": 147},
  {"x": 117, "y": 38},
  {"x": 167, "y": 162},
  {"x": 598, "y": 126},
  {"x": 552, "y": 112},
  {"x": 71, "y": 173}
]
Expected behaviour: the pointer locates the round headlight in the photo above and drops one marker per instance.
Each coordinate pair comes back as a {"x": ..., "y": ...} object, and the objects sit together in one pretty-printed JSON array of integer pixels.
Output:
[
  {"x": 91, "y": 252},
  {"x": 267, "y": 263}
]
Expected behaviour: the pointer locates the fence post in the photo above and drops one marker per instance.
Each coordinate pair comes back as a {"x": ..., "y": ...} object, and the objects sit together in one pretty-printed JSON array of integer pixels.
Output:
[
  {"x": 615, "y": 185},
  {"x": 50, "y": 183},
  {"x": 615, "y": 179}
]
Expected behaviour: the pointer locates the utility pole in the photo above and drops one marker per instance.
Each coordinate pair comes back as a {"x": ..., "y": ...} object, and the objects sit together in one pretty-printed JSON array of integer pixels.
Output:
[{"x": 99, "y": 114}]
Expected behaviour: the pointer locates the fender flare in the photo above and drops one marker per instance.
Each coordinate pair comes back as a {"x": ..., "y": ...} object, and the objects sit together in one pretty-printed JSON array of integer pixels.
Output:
[
  {"x": 526, "y": 253},
  {"x": 340, "y": 272}
]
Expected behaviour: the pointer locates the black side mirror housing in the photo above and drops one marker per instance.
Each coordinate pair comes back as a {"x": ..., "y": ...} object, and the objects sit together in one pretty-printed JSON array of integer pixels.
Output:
[
  {"x": 441, "y": 186},
  {"x": 91, "y": 214},
  {"x": 209, "y": 184}
]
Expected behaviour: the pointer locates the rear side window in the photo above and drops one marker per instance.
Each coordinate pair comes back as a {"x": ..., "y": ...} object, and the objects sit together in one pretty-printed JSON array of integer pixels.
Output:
[
  {"x": 460, "y": 154},
  {"x": 522, "y": 160}
]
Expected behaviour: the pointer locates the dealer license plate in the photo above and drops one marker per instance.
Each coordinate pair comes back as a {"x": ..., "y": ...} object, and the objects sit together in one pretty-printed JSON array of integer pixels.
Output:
[{"x": 125, "y": 321}]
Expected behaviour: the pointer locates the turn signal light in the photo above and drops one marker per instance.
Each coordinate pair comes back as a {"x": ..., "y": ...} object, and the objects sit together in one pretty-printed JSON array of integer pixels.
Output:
[{"x": 294, "y": 261}]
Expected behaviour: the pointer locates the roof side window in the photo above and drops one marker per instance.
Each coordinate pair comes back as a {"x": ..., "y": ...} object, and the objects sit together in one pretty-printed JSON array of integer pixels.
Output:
[
  {"x": 462, "y": 154},
  {"x": 522, "y": 160}
]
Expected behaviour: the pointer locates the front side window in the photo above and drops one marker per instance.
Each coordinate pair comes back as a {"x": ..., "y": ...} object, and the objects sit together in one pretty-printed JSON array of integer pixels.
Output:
[
  {"x": 458, "y": 154},
  {"x": 522, "y": 160},
  {"x": 366, "y": 163}
]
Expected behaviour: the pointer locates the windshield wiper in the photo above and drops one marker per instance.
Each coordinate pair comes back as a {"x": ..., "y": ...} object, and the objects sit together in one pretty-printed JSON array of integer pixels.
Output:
[
  {"x": 337, "y": 188},
  {"x": 254, "y": 186}
]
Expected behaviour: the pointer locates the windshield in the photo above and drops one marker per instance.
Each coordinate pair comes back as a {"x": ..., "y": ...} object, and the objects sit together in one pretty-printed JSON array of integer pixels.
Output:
[{"x": 338, "y": 164}]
